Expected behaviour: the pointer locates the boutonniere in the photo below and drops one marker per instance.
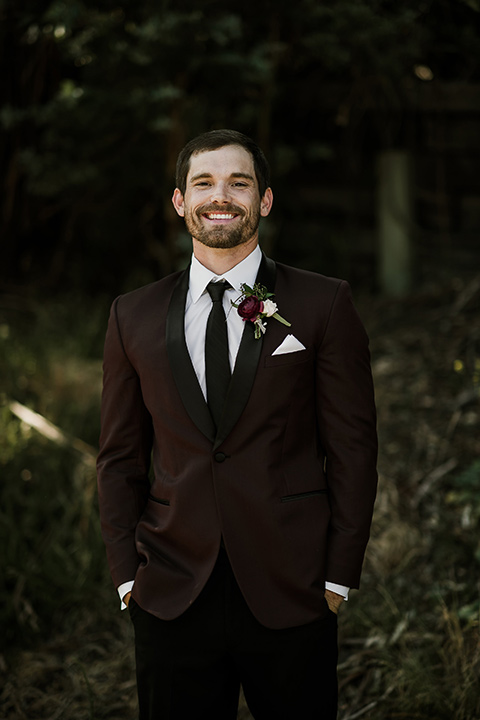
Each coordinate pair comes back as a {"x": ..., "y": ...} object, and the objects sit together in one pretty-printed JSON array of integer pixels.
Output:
[{"x": 257, "y": 305}]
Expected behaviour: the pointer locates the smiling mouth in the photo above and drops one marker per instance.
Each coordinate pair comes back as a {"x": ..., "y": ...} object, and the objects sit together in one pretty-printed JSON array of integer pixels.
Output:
[{"x": 220, "y": 216}]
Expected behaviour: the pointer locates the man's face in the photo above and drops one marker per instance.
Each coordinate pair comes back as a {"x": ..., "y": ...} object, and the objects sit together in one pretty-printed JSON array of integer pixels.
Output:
[{"x": 222, "y": 205}]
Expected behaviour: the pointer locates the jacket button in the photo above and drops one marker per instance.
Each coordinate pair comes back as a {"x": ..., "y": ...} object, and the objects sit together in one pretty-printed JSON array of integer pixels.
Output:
[{"x": 220, "y": 457}]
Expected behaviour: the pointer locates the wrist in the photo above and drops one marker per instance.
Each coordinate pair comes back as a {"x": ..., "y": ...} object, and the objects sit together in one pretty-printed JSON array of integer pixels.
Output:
[{"x": 334, "y": 600}]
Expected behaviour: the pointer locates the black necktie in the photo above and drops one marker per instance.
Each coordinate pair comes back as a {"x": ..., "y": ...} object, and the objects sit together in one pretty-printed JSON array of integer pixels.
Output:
[{"x": 217, "y": 365}]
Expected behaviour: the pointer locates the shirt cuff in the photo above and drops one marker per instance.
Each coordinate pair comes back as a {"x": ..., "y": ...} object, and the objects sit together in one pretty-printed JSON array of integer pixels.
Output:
[
  {"x": 122, "y": 590},
  {"x": 339, "y": 589}
]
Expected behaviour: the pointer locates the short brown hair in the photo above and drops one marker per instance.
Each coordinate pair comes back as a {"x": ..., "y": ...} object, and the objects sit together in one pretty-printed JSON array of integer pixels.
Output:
[{"x": 214, "y": 140}]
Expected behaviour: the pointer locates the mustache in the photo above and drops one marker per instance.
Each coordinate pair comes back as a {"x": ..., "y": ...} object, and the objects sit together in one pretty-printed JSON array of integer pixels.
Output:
[{"x": 215, "y": 209}]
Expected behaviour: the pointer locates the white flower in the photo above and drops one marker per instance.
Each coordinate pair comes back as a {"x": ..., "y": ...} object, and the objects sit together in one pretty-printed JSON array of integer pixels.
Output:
[{"x": 269, "y": 308}]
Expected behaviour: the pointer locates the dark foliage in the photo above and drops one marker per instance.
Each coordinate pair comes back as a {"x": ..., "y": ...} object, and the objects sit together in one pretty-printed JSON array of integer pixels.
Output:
[{"x": 98, "y": 99}]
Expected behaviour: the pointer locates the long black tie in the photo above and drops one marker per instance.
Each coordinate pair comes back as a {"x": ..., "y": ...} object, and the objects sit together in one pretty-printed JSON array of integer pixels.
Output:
[{"x": 217, "y": 365}]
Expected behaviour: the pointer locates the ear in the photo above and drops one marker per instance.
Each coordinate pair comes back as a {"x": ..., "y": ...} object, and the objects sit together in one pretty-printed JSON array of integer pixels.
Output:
[
  {"x": 178, "y": 202},
  {"x": 266, "y": 202}
]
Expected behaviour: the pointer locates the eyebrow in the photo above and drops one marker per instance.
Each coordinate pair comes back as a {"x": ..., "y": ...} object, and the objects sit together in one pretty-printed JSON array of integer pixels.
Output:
[{"x": 245, "y": 176}]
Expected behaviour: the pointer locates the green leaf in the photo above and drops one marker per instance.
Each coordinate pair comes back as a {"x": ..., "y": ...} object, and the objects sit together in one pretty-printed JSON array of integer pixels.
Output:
[{"x": 281, "y": 319}]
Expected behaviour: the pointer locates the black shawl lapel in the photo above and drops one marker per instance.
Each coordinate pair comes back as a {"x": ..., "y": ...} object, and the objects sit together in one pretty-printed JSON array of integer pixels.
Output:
[
  {"x": 184, "y": 374},
  {"x": 246, "y": 364},
  {"x": 180, "y": 363}
]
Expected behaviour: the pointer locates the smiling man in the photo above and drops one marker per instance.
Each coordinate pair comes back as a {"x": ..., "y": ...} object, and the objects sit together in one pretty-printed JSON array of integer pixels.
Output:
[
  {"x": 222, "y": 213},
  {"x": 235, "y": 557}
]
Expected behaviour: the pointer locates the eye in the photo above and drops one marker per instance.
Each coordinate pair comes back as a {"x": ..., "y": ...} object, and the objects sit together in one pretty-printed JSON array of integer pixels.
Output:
[{"x": 240, "y": 184}]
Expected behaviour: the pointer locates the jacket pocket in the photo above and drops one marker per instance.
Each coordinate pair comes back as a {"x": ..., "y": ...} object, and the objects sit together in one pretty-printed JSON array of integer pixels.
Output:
[
  {"x": 160, "y": 501},
  {"x": 291, "y": 358},
  {"x": 303, "y": 495}
]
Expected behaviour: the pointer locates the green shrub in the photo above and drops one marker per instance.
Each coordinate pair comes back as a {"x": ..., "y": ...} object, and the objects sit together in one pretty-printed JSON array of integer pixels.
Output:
[
  {"x": 52, "y": 554},
  {"x": 53, "y": 559}
]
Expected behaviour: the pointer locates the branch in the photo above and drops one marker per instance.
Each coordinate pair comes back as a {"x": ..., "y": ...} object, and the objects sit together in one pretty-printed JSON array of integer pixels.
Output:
[{"x": 52, "y": 432}]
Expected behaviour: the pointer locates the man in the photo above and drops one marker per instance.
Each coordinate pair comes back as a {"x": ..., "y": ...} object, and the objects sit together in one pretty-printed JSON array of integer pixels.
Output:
[{"x": 248, "y": 383}]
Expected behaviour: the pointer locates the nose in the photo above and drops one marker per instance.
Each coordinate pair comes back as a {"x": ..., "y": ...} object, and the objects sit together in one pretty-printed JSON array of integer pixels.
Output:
[{"x": 220, "y": 194}]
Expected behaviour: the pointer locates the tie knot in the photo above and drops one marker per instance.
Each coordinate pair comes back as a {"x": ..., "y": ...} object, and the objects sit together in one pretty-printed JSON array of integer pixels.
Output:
[{"x": 216, "y": 290}]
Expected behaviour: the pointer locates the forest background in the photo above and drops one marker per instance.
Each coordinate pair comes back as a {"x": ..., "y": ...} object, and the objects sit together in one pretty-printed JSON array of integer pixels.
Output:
[{"x": 96, "y": 99}]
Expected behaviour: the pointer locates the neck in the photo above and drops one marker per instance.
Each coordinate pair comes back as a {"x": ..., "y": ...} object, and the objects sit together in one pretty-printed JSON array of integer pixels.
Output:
[{"x": 220, "y": 260}]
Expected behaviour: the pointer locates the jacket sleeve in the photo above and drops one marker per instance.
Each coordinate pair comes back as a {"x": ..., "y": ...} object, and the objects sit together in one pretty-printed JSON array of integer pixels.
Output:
[
  {"x": 347, "y": 428},
  {"x": 124, "y": 458}
]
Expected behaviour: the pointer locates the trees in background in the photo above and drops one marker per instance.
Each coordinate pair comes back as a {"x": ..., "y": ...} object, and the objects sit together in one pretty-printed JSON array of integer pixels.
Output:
[{"x": 99, "y": 97}]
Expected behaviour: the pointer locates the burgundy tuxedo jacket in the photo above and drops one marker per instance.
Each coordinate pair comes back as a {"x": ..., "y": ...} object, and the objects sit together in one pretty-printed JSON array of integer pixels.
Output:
[{"x": 288, "y": 478}]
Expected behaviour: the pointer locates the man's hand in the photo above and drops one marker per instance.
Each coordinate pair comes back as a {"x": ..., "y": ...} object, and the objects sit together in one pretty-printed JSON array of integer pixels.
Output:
[
  {"x": 333, "y": 600},
  {"x": 126, "y": 598}
]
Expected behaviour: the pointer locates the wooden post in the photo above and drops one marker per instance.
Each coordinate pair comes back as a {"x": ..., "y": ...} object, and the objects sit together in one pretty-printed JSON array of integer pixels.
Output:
[{"x": 395, "y": 222}]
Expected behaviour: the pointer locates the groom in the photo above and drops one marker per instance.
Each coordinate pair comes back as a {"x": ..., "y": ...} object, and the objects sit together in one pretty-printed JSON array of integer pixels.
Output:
[{"x": 246, "y": 385}]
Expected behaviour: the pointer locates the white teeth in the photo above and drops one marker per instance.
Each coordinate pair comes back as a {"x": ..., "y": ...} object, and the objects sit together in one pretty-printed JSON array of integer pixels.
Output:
[{"x": 218, "y": 216}]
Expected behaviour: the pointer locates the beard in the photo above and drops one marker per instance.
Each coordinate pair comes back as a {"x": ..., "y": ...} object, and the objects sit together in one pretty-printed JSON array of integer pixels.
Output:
[{"x": 222, "y": 236}]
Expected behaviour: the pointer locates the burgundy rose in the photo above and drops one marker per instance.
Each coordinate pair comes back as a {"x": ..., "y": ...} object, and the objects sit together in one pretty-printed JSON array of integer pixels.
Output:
[{"x": 250, "y": 308}]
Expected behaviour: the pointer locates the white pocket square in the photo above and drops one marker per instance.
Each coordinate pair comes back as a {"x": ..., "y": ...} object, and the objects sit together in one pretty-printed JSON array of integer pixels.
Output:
[{"x": 290, "y": 344}]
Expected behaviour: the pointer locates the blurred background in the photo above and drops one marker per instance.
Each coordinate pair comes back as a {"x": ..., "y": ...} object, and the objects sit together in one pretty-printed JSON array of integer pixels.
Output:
[{"x": 369, "y": 111}]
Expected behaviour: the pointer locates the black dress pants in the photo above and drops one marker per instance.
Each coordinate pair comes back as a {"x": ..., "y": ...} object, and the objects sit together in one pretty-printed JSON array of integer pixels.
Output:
[{"x": 191, "y": 668}]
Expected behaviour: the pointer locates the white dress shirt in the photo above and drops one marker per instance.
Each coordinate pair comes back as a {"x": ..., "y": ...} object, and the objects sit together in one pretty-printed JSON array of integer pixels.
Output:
[
  {"x": 199, "y": 304},
  {"x": 197, "y": 310}
]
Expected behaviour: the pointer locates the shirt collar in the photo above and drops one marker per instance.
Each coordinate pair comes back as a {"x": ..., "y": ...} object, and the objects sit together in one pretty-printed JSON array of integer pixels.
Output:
[{"x": 245, "y": 272}]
